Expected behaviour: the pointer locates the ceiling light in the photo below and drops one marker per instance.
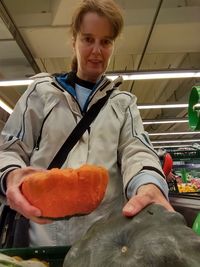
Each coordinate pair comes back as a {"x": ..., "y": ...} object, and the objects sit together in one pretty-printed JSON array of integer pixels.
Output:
[
  {"x": 15, "y": 82},
  {"x": 176, "y": 141},
  {"x": 128, "y": 75},
  {"x": 5, "y": 107},
  {"x": 146, "y": 122},
  {"x": 156, "y": 74},
  {"x": 162, "y": 106},
  {"x": 171, "y": 146},
  {"x": 172, "y": 133}
]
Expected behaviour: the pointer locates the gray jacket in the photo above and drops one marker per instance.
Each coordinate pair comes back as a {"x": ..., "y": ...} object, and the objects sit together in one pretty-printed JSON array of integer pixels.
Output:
[{"x": 43, "y": 118}]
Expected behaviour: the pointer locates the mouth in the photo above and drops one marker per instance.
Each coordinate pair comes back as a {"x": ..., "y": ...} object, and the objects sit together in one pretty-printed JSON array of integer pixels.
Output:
[{"x": 94, "y": 61}]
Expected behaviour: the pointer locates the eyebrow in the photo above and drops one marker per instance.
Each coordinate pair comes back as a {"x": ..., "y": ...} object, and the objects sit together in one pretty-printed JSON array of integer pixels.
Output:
[{"x": 89, "y": 34}]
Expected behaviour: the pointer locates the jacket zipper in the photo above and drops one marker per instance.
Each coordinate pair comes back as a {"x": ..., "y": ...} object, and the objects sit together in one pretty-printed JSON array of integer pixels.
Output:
[
  {"x": 57, "y": 85},
  {"x": 103, "y": 86},
  {"x": 100, "y": 87}
]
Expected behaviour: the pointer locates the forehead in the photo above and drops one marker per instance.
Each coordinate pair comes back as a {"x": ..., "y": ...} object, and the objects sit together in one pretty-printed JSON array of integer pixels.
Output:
[{"x": 96, "y": 25}]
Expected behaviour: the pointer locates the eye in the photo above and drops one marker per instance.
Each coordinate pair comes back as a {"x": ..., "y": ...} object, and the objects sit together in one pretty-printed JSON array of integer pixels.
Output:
[
  {"x": 88, "y": 39},
  {"x": 107, "y": 42}
]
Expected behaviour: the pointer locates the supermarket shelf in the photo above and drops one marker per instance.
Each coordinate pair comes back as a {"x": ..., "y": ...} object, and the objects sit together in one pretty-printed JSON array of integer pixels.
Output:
[
  {"x": 185, "y": 154},
  {"x": 186, "y": 166}
]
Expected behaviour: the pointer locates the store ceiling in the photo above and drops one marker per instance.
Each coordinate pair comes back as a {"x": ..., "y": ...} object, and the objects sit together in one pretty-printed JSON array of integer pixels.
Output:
[{"x": 157, "y": 35}]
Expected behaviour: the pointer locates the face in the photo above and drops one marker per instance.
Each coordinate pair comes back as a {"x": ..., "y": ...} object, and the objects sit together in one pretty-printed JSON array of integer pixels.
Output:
[{"x": 93, "y": 47}]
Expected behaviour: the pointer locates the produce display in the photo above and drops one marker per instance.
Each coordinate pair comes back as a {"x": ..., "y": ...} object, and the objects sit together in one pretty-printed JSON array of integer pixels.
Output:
[
  {"x": 196, "y": 183},
  {"x": 43, "y": 256},
  {"x": 155, "y": 237},
  {"x": 7, "y": 261},
  {"x": 62, "y": 193},
  {"x": 186, "y": 168},
  {"x": 193, "y": 185}
]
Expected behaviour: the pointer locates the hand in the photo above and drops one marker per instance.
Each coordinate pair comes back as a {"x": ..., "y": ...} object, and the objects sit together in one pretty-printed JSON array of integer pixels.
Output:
[
  {"x": 170, "y": 177},
  {"x": 146, "y": 194},
  {"x": 15, "y": 198}
]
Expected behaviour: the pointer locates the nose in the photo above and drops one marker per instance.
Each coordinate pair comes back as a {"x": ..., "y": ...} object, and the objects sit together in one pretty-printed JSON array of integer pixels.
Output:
[{"x": 96, "y": 48}]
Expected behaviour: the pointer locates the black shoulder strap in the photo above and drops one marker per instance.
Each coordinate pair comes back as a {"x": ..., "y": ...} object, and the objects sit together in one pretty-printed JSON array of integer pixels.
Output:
[{"x": 77, "y": 132}]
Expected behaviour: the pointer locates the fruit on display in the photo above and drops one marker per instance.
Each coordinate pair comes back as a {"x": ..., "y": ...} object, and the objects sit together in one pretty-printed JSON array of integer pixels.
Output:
[
  {"x": 193, "y": 185},
  {"x": 7, "y": 261},
  {"x": 196, "y": 183},
  {"x": 155, "y": 237},
  {"x": 186, "y": 188},
  {"x": 62, "y": 193}
]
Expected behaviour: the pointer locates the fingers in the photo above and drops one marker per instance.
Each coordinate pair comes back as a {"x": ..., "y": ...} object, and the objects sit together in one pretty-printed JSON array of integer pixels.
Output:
[
  {"x": 22, "y": 206},
  {"x": 15, "y": 177},
  {"x": 19, "y": 203},
  {"x": 135, "y": 205},
  {"x": 146, "y": 195},
  {"x": 15, "y": 198},
  {"x": 40, "y": 220},
  {"x": 168, "y": 206}
]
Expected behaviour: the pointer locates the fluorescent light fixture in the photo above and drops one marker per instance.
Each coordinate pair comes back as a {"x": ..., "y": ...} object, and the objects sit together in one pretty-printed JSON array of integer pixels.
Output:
[
  {"x": 155, "y": 74},
  {"x": 5, "y": 107},
  {"x": 172, "y": 133},
  {"x": 15, "y": 82},
  {"x": 163, "y": 106},
  {"x": 196, "y": 106},
  {"x": 175, "y": 141},
  {"x": 128, "y": 75},
  {"x": 173, "y": 146},
  {"x": 164, "y": 121}
]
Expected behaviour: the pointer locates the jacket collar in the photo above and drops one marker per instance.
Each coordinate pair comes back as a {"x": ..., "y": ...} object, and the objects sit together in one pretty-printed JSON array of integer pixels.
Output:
[{"x": 67, "y": 82}]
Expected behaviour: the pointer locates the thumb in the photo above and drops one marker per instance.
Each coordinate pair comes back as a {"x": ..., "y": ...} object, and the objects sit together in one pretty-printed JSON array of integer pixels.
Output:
[{"x": 135, "y": 205}]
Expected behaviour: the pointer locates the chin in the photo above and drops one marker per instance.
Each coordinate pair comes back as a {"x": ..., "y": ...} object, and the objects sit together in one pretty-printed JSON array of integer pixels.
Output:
[{"x": 95, "y": 75}]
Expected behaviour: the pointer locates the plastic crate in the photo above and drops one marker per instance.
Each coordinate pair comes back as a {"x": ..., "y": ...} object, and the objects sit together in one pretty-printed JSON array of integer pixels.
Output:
[{"x": 53, "y": 255}]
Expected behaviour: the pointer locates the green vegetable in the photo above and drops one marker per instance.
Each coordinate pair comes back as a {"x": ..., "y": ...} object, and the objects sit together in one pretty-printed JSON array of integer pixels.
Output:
[{"x": 153, "y": 238}]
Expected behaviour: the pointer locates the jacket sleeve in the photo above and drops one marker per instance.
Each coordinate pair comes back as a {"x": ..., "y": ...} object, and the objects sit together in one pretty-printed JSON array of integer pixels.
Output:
[
  {"x": 139, "y": 161},
  {"x": 20, "y": 133}
]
